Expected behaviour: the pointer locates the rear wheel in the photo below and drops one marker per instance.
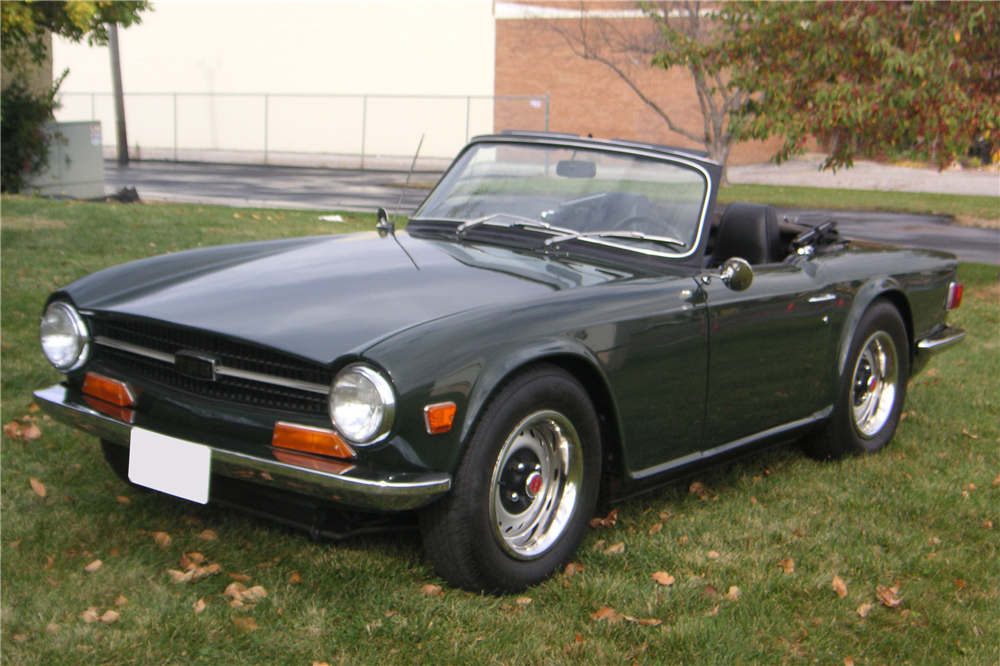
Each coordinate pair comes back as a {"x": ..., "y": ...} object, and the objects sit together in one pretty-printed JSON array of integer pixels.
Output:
[
  {"x": 525, "y": 489},
  {"x": 872, "y": 389}
]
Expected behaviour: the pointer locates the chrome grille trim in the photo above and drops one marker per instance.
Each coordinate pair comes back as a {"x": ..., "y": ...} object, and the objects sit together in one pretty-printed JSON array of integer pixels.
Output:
[{"x": 219, "y": 369}]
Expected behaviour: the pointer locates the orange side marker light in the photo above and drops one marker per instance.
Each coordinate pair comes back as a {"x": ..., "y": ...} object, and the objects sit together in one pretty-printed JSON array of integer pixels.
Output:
[
  {"x": 310, "y": 440},
  {"x": 438, "y": 418},
  {"x": 108, "y": 390}
]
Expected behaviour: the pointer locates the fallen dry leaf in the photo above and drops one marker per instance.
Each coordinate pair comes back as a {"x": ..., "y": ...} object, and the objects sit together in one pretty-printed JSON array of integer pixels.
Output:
[
  {"x": 179, "y": 577},
  {"x": 12, "y": 430},
  {"x": 37, "y": 486},
  {"x": 733, "y": 594},
  {"x": 208, "y": 535},
  {"x": 713, "y": 612},
  {"x": 121, "y": 601},
  {"x": 430, "y": 590},
  {"x": 255, "y": 594},
  {"x": 848, "y": 661},
  {"x": 213, "y": 568},
  {"x": 31, "y": 433},
  {"x": 320, "y": 663},
  {"x": 683, "y": 540},
  {"x": 607, "y": 614},
  {"x": 245, "y": 624},
  {"x": 607, "y": 521},
  {"x": 600, "y": 544},
  {"x": 90, "y": 616},
  {"x": 162, "y": 539},
  {"x": 572, "y": 569},
  {"x": 996, "y": 481},
  {"x": 93, "y": 566},
  {"x": 959, "y": 583},
  {"x": 663, "y": 578},
  {"x": 110, "y": 617},
  {"x": 864, "y": 609},
  {"x": 839, "y": 586},
  {"x": 887, "y": 595},
  {"x": 655, "y": 528},
  {"x": 242, "y": 577},
  {"x": 713, "y": 555},
  {"x": 616, "y": 549},
  {"x": 964, "y": 432},
  {"x": 788, "y": 564},
  {"x": 235, "y": 590},
  {"x": 295, "y": 578},
  {"x": 199, "y": 606},
  {"x": 123, "y": 500},
  {"x": 988, "y": 524},
  {"x": 195, "y": 557},
  {"x": 52, "y": 627},
  {"x": 934, "y": 541},
  {"x": 969, "y": 486},
  {"x": 710, "y": 592},
  {"x": 651, "y": 622},
  {"x": 524, "y": 602},
  {"x": 236, "y": 603},
  {"x": 698, "y": 489}
]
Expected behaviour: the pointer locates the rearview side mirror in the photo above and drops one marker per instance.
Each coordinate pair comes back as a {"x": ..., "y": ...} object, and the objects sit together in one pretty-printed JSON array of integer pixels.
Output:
[{"x": 736, "y": 274}]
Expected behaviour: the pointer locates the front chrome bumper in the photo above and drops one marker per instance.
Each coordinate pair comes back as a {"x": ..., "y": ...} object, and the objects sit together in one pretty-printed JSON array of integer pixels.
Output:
[{"x": 356, "y": 487}]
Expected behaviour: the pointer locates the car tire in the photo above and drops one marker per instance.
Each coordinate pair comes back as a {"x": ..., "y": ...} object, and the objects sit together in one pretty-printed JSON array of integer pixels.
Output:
[
  {"x": 872, "y": 389},
  {"x": 525, "y": 489}
]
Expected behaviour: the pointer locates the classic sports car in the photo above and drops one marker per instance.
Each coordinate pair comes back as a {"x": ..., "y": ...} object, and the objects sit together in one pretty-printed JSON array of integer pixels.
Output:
[{"x": 560, "y": 316}]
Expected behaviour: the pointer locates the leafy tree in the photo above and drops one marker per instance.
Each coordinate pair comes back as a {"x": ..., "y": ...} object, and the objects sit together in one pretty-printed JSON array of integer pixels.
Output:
[
  {"x": 685, "y": 34},
  {"x": 868, "y": 78},
  {"x": 23, "y": 30},
  {"x": 23, "y": 25}
]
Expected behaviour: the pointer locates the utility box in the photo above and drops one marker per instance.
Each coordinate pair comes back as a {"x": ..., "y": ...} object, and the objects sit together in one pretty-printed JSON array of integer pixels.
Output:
[{"x": 76, "y": 161}]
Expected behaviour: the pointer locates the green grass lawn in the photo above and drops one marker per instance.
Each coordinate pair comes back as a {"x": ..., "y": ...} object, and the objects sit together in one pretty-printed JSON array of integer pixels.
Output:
[
  {"x": 823, "y": 198},
  {"x": 923, "y": 515}
]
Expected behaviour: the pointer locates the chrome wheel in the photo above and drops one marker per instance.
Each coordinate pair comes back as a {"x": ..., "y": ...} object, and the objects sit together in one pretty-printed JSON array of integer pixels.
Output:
[
  {"x": 876, "y": 381},
  {"x": 535, "y": 484}
]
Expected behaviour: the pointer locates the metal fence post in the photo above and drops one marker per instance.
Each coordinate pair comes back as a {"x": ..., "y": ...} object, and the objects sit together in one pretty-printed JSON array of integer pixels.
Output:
[
  {"x": 175, "y": 127},
  {"x": 364, "y": 123},
  {"x": 546, "y": 110},
  {"x": 266, "y": 105}
]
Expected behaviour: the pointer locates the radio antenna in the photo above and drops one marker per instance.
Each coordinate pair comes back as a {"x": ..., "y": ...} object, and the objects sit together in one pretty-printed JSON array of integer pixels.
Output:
[{"x": 407, "y": 184}]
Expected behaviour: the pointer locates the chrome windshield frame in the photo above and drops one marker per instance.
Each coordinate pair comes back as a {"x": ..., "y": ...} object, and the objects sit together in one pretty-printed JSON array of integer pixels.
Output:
[{"x": 595, "y": 146}]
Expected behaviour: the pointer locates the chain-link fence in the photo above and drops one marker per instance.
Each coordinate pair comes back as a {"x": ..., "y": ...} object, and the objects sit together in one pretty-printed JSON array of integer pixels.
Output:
[{"x": 351, "y": 131}]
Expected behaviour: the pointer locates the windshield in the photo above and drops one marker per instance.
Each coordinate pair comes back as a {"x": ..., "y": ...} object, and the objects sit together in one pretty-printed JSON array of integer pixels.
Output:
[{"x": 581, "y": 194}]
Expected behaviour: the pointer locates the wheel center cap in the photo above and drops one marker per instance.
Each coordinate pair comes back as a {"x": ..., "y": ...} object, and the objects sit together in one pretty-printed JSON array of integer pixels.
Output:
[{"x": 533, "y": 484}]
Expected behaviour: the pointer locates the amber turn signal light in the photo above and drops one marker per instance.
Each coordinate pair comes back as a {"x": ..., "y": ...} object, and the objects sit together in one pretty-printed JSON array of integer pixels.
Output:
[
  {"x": 310, "y": 440},
  {"x": 108, "y": 390},
  {"x": 438, "y": 418}
]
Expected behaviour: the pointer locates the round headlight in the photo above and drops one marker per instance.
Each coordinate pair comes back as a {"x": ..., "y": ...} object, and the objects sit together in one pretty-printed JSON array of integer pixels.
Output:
[
  {"x": 64, "y": 336},
  {"x": 362, "y": 404}
]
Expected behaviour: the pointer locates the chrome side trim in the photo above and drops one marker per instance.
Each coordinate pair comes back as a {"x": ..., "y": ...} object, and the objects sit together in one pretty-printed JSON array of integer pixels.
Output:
[
  {"x": 823, "y": 299},
  {"x": 942, "y": 339},
  {"x": 360, "y": 488},
  {"x": 731, "y": 446},
  {"x": 219, "y": 369}
]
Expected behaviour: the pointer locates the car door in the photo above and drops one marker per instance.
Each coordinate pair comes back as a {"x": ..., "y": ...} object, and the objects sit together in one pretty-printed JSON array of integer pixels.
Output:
[{"x": 769, "y": 348}]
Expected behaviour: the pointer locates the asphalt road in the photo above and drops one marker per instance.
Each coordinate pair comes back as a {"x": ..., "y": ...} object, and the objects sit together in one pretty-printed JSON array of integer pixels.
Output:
[{"x": 339, "y": 189}]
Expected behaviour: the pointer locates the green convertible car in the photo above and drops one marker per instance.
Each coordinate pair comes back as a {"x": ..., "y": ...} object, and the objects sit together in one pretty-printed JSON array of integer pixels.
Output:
[{"x": 561, "y": 317}]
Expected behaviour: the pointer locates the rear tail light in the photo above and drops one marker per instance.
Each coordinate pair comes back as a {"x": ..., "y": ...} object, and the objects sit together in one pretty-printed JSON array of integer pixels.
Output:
[
  {"x": 954, "y": 299},
  {"x": 108, "y": 390}
]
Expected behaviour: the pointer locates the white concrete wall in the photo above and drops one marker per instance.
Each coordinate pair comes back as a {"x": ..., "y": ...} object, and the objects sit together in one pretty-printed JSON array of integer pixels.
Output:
[{"x": 342, "y": 48}]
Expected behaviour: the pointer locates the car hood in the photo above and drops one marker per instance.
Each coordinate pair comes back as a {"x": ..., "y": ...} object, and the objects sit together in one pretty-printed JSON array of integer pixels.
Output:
[{"x": 320, "y": 298}]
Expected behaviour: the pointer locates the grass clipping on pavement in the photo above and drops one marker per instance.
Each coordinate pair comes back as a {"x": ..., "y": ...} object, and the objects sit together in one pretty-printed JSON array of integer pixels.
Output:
[{"x": 777, "y": 559}]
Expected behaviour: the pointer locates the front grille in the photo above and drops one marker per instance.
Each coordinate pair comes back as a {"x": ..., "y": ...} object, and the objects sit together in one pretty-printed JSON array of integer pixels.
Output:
[{"x": 230, "y": 353}]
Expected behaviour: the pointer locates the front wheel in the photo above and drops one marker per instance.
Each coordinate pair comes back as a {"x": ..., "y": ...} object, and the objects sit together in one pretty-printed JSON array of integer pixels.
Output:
[
  {"x": 872, "y": 389},
  {"x": 525, "y": 489}
]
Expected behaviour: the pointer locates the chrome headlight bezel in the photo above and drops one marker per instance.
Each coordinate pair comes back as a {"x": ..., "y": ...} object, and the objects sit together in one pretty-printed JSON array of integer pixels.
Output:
[
  {"x": 384, "y": 411},
  {"x": 72, "y": 324}
]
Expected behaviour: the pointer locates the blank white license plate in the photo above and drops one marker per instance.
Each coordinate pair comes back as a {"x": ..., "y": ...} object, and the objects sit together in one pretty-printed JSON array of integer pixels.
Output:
[{"x": 170, "y": 465}]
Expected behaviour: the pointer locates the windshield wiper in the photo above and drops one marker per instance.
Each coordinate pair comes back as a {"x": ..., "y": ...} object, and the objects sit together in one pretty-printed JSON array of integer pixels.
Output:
[
  {"x": 520, "y": 222},
  {"x": 631, "y": 235}
]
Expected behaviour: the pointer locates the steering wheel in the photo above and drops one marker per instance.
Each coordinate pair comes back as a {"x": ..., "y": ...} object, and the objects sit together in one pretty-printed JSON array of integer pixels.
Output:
[{"x": 647, "y": 225}]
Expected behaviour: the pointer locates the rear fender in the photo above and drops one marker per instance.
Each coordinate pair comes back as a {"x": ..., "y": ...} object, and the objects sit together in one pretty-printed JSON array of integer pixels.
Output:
[{"x": 878, "y": 287}]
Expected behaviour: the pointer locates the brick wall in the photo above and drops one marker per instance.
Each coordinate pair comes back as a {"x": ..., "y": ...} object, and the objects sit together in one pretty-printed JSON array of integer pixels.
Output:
[{"x": 587, "y": 98}]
